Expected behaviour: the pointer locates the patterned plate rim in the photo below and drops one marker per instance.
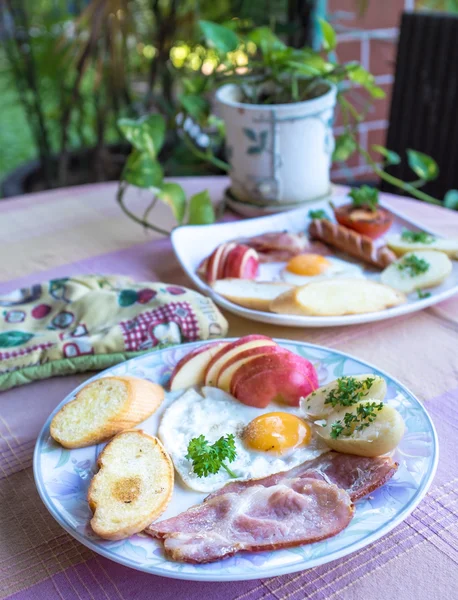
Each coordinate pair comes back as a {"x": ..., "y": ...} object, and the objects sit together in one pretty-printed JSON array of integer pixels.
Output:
[{"x": 244, "y": 576}]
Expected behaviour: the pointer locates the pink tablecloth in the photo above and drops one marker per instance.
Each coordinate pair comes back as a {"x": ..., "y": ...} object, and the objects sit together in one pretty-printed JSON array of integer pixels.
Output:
[{"x": 81, "y": 230}]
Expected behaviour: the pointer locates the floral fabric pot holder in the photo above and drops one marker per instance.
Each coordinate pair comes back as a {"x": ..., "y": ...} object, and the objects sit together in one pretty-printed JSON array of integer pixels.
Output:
[{"x": 91, "y": 322}]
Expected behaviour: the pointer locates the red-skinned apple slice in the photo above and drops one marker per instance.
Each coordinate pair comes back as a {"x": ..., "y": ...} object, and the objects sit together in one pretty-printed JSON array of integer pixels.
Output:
[
  {"x": 242, "y": 262},
  {"x": 244, "y": 343},
  {"x": 214, "y": 264},
  {"x": 191, "y": 368},
  {"x": 230, "y": 367},
  {"x": 223, "y": 258},
  {"x": 281, "y": 375}
]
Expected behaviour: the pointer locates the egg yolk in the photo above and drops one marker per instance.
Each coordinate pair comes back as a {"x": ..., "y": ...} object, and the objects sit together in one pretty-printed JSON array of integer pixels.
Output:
[
  {"x": 308, "y": 264},
  {"x": 276, "y": 432}
]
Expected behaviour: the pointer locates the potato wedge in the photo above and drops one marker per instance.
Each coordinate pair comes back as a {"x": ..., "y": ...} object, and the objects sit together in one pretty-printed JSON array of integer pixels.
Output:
[
  {"x": 401, "y": 277},
  {"x": 379, "y": 437},
  {"x": 447, "y": 245},
  {"x": 315, "y": 407}
]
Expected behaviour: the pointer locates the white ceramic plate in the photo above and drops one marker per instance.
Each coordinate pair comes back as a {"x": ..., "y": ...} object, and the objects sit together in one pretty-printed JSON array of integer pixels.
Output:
[
  {"x": 63, "y": 476},
  {"x": 192, "y": 244}
]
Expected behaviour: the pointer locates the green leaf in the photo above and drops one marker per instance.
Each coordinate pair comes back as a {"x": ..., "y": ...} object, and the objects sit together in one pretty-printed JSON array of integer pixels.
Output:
[
  {"x": 201, "y": 209},
  {"x": 391, "y": 158},
  {"x": 63, "y": 458},
  {"x": 219, "y": 37},
  {"x": 451, "y": 199},
  {"x": 329, "y": 35},
  {"x": 9, "y": 339},
  {"x": 145, "y": 134},
  {"x": 197, "y": 106},
  {"x": 345, "y": 146},
  {"x": 266, "y": 40},
  {"x": 173, "y": 195},
  {"x": 365, "y": 196},
  {"x": 422, "y": 165},
  {"x": 358, "y": 74},
  {"x": 142, "y": 171}
]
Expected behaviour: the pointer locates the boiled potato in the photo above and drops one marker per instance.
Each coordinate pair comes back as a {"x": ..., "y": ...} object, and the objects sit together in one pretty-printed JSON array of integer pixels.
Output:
[
  {"x": 315, "y": 407},
  {"x": 379, "y": 437},
  {"x": 399, "y": 246},
  {"x": 407, "y": 277}
]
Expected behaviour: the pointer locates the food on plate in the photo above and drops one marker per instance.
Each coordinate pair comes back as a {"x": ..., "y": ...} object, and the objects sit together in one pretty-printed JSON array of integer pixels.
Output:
[
  {"x": 133, "y": 486},
  {"x": 368, "y": 428},
  {"x": 344, "y": 391},
  {"x": 190, "y": 370},
  {"x": 104, "y": 408},
  {"x": 281, "y": 376},
  {"x": 336, "y": 297},
  {"x": 351, "y": 242},
  {"x": 308, "y": 503},
  {"x": 313, "y": 267},
  {"x": 231, "y": 366},
  {"x": 418, "y": 270},
  {"x": 231, "y": 260},
  {"x": 411, "y": 241},
  {"x": 277, "y": 432},
  {"x": 233, "y": 349},
  {"x": 256, "y": 295},
  {"x": 364, "y": 214},
  {"x": 213, "y": 414},
  {"x": 280, "y": 246}
]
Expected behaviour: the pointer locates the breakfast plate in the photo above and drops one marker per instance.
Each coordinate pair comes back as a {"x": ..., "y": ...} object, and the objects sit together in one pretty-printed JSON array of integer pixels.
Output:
[
  {"x": 193, "y": 244},
  {"x": 62, "y": 478}
]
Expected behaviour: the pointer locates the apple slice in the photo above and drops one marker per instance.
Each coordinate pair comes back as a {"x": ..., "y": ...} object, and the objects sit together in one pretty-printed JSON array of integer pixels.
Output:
[
  {"x": 190, "y": 370},
  {"x": 223, "y": 258},
  {"x": 214, "y": 264},
  {"x": 234, "y": 348},
  {"x": 277, "y": 376},
  {"x": 242, "y": 262},
  {"x": 230, "y": 367}
]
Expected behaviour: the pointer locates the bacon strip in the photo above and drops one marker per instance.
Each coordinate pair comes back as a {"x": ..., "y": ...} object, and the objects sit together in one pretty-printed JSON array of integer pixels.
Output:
[
  {"x": 280, "y": 246},
  {"x": 299, "y": 511}
]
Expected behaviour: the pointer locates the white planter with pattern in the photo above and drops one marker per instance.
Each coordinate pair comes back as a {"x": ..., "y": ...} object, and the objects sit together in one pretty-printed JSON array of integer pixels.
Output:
[{"x": 280, "y": 155}]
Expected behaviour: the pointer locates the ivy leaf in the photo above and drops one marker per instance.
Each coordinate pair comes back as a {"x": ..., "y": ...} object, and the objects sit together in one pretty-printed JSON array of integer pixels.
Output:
[
  {"x": 197, "y": 106},
  {"x": 145, "y": 134},
  {"x": 219, "y": 37},
  {"x": 142, "y": 171},
  {"x": 173, "y": 195},
  {"x": 345, "y": 146},
  {"x": 266, "y": 40},
  {"x": 9, "y": 339},
  {"x": 329, "y": 35},
  {"x": 422, "y": 165},
  {"x": 201, "y": 209},
  {"x": 451, "y": 199},
  {"x": 391, "y": 158},
  {"x": 358, "y": 74}
]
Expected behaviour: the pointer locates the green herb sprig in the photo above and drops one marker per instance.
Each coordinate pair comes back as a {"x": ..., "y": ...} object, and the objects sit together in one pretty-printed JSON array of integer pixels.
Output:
[
  {"x": 209, "y": 458},
  {"x": 413, "y": 266},
  {"x": 421, "y": 294},
  {"x": 349, "y": 391},
  {"x": 365, "y": 415},
  {"x": 318, "y": 214},
  {"x": 365, "y": 197},
  {"x": 417, "y": 237}
]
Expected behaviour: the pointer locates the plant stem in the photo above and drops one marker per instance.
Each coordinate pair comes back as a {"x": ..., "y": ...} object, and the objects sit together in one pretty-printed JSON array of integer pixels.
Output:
[
  {"x": 402, "y": 185},
  {"x": 231, "y": 473},
  {"x": 120, "y": 200},
  {"x": 207, "y": 156}
]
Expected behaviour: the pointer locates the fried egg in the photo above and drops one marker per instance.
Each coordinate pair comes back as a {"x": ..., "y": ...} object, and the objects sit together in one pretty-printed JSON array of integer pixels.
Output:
[
  {"x": 268, "y": 440},
  {"x": 305, "y": 268}
]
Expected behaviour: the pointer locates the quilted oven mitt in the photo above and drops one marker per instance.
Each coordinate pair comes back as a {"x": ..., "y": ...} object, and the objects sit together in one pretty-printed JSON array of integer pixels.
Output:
[{"x": 91, "y": 322}]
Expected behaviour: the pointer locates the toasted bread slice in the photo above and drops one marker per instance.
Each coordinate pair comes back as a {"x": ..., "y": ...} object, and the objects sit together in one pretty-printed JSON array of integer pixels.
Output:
[
  {"x": 103, "y": 408},
  {"x": 256, "y": 295},
  {"x": 133, "y": 486},
  {"x": 335, "y": 297}
]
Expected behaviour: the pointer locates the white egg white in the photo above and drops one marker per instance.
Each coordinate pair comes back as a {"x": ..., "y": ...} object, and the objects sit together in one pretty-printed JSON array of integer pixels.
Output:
[
  {"x": 337, "y": 268},
  {"x": 214, "y": 414}
]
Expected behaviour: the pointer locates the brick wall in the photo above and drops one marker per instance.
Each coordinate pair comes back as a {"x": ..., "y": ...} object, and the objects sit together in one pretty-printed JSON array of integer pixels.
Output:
[{"x": 372, "y": 40}]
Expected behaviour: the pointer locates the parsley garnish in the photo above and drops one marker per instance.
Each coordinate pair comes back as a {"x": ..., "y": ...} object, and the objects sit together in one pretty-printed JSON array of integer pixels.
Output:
[
  {"x": 365, "y": 414},
  {"x": 417, "y": 236},
  {"x": 318, "y": 214},
  {"x": 365, "y": 197},
  {"x": 413, "y": 265},
  {"x": 349, "y": 391},
  {"x": 422, "y": 294},
  {"x": 208, "y": 459}
]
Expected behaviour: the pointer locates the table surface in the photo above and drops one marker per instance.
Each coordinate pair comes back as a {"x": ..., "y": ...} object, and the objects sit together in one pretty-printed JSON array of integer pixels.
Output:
[{"x": 82, "y": 230}]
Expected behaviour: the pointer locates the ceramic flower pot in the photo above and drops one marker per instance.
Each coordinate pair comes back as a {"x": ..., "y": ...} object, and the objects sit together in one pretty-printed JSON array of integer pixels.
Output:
[{"x": 280, "y": 155}]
